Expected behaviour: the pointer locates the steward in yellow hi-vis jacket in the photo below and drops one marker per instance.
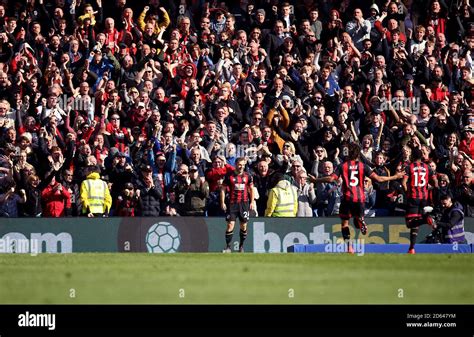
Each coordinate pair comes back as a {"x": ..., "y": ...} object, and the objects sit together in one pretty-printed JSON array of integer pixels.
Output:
[
  {"x": 282, "y": 200},
  {"x": 95, "y": 195}
]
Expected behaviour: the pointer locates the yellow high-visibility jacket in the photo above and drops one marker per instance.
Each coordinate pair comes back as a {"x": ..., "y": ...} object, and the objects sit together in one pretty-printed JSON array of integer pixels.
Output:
[
  {"x": 282, "y": 200},
  {"x": 95, "y": 195}
]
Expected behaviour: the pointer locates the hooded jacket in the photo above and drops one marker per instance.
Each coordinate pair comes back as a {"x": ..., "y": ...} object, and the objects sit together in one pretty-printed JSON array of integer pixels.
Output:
[
  {"x": 56, "y": 202},
  {"x": 95, "y": 195},
  {"x": 282, "y": 200}
]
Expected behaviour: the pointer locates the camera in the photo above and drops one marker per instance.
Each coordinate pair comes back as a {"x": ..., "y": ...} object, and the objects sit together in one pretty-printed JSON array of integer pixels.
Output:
[{"x": 436, "y": 236}]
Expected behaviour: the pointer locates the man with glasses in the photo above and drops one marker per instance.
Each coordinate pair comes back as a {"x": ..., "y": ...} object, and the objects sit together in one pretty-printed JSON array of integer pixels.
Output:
[
  {"x": 296, "y": 169},
  {"x": 257, "y": 118},
  {"x": 119, "y": 137}
]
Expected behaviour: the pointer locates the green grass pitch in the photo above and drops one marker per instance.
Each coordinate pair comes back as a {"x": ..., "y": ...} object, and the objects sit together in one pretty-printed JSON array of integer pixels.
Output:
[{"x": 208, "y": 278}]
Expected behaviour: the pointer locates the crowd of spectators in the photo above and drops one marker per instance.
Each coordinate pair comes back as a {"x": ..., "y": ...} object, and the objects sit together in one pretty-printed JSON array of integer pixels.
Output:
[{"x": 161, "y": 97}]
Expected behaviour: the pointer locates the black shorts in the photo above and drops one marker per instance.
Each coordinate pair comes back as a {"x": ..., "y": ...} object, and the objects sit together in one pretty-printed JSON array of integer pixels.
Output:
[
  {"x": 239, "y": 210},
  {"x": 350, "y": 209},
  {"x": 415, "y": 208}
]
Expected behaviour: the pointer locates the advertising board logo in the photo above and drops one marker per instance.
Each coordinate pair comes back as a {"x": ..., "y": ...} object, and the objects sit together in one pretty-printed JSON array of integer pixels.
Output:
[{"x": 162, "y": 237}]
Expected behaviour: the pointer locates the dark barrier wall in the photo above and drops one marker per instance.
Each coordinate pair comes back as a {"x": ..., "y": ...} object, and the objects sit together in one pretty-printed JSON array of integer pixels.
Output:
[{"x": 187, "y": 234}]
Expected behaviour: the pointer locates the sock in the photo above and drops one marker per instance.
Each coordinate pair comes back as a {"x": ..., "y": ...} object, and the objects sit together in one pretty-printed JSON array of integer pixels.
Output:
[
  {"x": 243, "y": 236},
  {"x": 228, "y": 237},
  {"x": 346, "y": 233},
  {"x": 413, "y": 236},
  {"x": 359, "y": 222}
]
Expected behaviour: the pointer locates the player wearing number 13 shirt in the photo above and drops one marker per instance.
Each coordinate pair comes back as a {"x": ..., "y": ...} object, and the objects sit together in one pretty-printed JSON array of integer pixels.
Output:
[
  {"x": 415, "y": 183},
  {"x": 353, "y": 174}
]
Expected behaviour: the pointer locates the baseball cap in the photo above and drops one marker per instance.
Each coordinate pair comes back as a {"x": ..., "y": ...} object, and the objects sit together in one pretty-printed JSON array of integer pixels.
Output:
[
  {"x": 468, "y": 129},
  {"x": 193, "y": 168},
  {"x": 146, "y": 168},
  {"x": 128, "y": 186}
]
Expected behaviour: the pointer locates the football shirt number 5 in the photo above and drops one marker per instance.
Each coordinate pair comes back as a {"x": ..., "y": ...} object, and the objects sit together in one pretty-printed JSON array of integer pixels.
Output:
[{"x": 354, "y": 180}]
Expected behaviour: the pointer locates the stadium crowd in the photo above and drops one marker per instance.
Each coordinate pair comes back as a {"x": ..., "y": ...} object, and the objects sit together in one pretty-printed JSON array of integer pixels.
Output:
[{"x": 142, "y": 108}]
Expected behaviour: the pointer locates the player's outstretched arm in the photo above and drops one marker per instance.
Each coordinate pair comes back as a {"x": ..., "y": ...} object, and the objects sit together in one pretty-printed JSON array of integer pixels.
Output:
[
  {"x": 328, "y": 179},
  {"x": 382, "y": 179}
]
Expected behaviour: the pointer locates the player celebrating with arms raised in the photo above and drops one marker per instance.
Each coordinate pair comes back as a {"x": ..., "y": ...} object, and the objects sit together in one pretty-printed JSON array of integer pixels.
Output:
[
  {"x": 415, "y": 183},
  {"x": 353, "y": 173},
  {"x": 240, "y": 185}
]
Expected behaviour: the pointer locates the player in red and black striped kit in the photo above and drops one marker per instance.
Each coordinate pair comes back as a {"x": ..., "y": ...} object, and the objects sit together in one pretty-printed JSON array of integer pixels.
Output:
[
  {"x": 415, "y": 183},
  {"x": 240, "y": 185},
  {"x": 353, "y": 173}
]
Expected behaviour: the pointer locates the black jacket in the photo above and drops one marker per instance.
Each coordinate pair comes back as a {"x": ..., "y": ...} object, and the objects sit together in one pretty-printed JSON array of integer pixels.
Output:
[{"x": 150, "y": 198}]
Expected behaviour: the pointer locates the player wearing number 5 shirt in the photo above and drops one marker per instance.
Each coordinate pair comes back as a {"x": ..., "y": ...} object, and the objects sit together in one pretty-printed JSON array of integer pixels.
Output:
[
  {"x": 353, "y": 173},
  {"x": 415, "y": 183}
]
